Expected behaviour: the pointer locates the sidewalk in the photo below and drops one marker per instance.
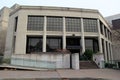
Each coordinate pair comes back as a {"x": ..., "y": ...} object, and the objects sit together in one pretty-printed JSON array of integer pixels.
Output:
[{"x": 84, "y": 73}]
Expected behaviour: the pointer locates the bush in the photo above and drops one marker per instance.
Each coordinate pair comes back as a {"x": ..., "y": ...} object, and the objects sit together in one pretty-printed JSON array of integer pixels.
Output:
[
  {"x": 83, "y": 58},
  {"x": 89, "y": 54},
  {"x": 7, "y": 61},
  {"x": 1, "y": 58},
  {"x": 109, "y": 65}
]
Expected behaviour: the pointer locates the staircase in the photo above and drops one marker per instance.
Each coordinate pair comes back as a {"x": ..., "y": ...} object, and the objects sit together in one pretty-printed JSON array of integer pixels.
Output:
[{"x": 88, "y": 65}]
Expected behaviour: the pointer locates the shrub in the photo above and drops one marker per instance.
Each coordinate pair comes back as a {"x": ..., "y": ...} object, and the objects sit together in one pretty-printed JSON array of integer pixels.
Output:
[
  {"x": 89, "y": 54},
  {"x": 109, "y": 65},
  {"x": 7, "y": 61},
  {"x": 1, "y": 58}
]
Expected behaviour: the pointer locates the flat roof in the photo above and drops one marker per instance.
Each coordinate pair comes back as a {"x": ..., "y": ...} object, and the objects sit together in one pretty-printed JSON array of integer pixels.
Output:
[{"x": 53, "y": 8}]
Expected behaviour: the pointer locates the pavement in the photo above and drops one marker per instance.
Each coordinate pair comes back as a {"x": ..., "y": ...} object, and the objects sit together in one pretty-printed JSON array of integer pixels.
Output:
[{"x": 110, "y": 74}]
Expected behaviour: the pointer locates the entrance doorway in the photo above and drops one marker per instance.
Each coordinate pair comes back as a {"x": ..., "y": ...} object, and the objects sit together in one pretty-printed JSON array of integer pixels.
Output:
[{"x": 73, "y": 45}]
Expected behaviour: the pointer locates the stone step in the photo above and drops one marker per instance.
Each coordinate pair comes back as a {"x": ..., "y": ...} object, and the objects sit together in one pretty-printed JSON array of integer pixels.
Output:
[{"x": 88, "y": 65}]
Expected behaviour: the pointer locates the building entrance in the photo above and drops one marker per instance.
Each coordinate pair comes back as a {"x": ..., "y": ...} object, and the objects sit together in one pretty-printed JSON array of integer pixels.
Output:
[{"x": 73, "y": 44}]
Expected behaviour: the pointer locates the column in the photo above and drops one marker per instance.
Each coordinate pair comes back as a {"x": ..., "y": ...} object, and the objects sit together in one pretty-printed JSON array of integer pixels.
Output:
[
  {"x": 64, "y": 34},
  {"x": 44, "y": 34},
  {"x": 103, "y": 29},
  {"x": 109, "y": 54},
  {"x": 111, "y": 51},
  {"x": 82, "y": 36},
  {"x": 105, "y": 50},
  {"x": 99, "y": 37}
]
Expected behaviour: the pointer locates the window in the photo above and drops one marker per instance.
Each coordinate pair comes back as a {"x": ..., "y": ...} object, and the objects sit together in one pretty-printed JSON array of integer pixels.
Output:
[
  {"x": 108, "y": 34},
  {"x": 91, "y": 44},
  {"x": 73, "y": 24},
  {"x": 34, "y": 44},
  {"x": 54, "y": 23},
  {"x": 16, "y": 21},
  {"x": 107, "y": 51},
  {"x": 54, "y": 43},
  {"x": 35, "y": 23},
  {"x": 90, "y": 25},
  {"x": 101, "y": 26},
  {"x": 105, "y": 30}
]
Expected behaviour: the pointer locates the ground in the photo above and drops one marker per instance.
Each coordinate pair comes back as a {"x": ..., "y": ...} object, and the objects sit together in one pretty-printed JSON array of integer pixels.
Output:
[{"x": 109, "y": 74}]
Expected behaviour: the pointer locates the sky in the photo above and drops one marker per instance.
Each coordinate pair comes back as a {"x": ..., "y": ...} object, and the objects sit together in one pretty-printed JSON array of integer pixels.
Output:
[{"x": 105, "y": 7}]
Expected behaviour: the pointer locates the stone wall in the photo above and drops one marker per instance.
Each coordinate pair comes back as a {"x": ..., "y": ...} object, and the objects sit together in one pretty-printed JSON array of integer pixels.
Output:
[{"x": 42, "y": 60}]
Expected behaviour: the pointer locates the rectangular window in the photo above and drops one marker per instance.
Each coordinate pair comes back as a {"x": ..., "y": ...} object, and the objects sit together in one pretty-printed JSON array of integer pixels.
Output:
[
  {"x": 90, "y": 25},
  {"x": 34, "y": 44},
  {"x": 54, "y": 23},
  {"x": 73, "y": 24},
  {"x": 103, "y": 48},
  {"x": 107, "y": 51},
  {"x": 105, "y": 30},
  {"x": 16, "y": 21},
  {"x": 35, "y": 23},
  {"x": 92, "y": 44},
  {"x": 108, "y": 34},
  {"x": 101, "y": 26},
  {"x": 53, "y": 44}
]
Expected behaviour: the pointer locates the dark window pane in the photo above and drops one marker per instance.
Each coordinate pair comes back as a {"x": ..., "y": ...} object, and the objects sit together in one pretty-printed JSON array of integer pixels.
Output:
[
  {"x": 73, "y": 24},
  {"x": 92, "y": 44},
  {"x": 101, "y": 26},
  {"x": 54, "y": 23},
  {"x": 53, "y": 44},
  {"x": 35, "y": 23},
  {"x": 89, "y": 44},
  {"x": 90, "y": 25},
  {"x": 16, "y": 21},
  {"x": 34, "y": 44}
]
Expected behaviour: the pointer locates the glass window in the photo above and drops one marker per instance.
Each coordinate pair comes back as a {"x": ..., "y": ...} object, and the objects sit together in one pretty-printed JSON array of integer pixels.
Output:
[
  {"x": 105, "y": 31},
  {"x": 90, "y": 25},
  {"x": 35, "y": 23},
  {"x": 101, "y": 26},
  {"x": 54, "y": 23},
  {"x": 91, "y": 44},
  {"x": 73, "y": 24},
  {"x": 107, "y": 51},
  {"x": 53, "y": 44},
  {"x": 34, "y": 44},
  {"x": 16, "y": 21}
]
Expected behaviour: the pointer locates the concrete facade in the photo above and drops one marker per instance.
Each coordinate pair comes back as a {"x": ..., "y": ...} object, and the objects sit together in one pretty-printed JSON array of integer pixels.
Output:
[
  {"x": 4, "y": 22},
  {"x": 4, "y": 19},
  {"x": 16, "y": 41}
]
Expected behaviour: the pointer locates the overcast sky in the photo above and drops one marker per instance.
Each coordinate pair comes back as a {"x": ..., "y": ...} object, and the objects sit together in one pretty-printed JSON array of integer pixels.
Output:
[{"x": 106, "y": 7}]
